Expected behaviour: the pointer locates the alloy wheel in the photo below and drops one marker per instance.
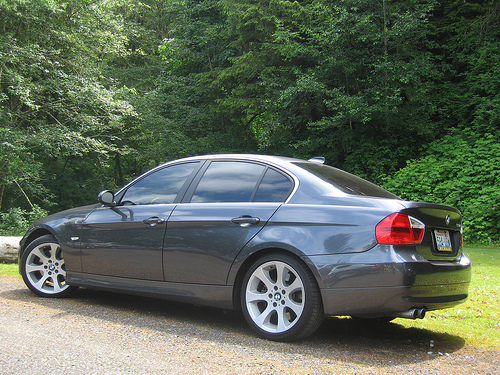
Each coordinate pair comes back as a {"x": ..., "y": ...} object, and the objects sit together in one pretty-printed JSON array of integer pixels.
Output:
[
  {"x": 275, "y": 296},
  {"x": 43, "y": 268}
]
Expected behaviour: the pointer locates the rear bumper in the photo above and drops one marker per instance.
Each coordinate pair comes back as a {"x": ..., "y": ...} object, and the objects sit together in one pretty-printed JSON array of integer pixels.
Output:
[
  {"x": 387, "y": 300},
  {"x": 352, "y": 285}
]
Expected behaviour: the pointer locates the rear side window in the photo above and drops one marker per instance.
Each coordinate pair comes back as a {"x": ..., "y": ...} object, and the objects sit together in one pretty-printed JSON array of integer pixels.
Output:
[
  {"x": 274, "y": 187},
  {"x": 228, "y": 181}
]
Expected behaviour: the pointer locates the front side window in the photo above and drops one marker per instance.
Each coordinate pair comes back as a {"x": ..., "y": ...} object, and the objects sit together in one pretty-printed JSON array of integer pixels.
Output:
[
  {"x": 160, "y": 187},
  {"x": 228, "y": 181}
]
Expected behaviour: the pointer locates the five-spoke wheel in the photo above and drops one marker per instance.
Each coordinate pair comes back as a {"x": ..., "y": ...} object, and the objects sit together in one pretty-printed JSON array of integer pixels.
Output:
[
  {"x": 43, "y": 269},
  {"x": 280, "y": 298}
]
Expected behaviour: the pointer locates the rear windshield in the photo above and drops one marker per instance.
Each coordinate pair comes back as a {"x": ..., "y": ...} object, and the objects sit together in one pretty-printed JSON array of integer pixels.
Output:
[{"x": 346, "y": 182}]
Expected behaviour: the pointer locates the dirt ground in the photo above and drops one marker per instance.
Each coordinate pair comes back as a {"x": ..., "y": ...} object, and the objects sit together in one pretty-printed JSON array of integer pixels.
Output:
[{"x": 106, "y": 333}]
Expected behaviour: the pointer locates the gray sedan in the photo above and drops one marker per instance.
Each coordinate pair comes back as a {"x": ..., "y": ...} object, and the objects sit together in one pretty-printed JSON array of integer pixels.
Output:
[{"x": 286, "y": 241}]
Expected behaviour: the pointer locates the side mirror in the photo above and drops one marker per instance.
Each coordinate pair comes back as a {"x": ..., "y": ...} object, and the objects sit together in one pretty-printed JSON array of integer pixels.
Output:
[{"x": 107, "y": 198}]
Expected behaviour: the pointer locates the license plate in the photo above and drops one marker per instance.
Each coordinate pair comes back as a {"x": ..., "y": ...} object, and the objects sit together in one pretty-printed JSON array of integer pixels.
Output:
[{"x": 443, "y": 240}]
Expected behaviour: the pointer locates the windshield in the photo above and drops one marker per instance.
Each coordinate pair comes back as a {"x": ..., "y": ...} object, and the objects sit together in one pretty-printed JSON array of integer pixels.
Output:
[{"x": 345, "y": 182}]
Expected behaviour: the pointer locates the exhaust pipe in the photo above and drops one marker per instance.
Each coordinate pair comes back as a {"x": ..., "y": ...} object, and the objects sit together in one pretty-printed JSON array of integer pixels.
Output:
[
  {"x": 420, "y": 313},
  {"x": 411, "y": 314}
]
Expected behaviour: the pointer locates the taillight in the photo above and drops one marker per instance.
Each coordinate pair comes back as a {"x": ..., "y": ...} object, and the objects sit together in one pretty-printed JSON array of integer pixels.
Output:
[{"x": 399, "y": 229}]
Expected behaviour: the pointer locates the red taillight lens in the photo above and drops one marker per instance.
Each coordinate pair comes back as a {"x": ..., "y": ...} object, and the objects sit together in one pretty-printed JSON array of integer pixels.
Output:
[{"x": 399, "y": 229}]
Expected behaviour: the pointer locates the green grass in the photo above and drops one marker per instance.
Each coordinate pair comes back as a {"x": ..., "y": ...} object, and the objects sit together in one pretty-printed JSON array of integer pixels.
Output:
[
  {"x": 477, "y": 321},
  {"x": 9, "y": 270}
]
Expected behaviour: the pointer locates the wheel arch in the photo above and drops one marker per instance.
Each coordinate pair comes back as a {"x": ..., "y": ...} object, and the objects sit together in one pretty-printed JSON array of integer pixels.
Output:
[{"x": 33, "y": 235}]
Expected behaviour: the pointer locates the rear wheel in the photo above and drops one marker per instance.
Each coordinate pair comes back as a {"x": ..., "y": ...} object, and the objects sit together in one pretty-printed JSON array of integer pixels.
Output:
[
  {"x": 43, "y": 268},
  {"x": 280, "y": 298}
]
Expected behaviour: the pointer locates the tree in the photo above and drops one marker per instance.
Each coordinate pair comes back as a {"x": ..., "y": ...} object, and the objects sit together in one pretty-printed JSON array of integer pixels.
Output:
[
  {"x": 59, "y": 115},
  {"x": 87, "y": 99},
  {"x": 466, "y": 37},
  {"x": 362, "y": 76},
  {"x": 460, "y": 167}
]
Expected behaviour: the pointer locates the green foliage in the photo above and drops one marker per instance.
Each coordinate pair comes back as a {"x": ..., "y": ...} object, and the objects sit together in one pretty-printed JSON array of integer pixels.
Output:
[
  {"x": 16, "y": 221},
  {"x": 467, "y": 40},
  {"x": 462, "y": 170},
  {"x": 55, "y": 105},
  {"x": 93, "y": 93},
  {"x": 357, "y": 78}
]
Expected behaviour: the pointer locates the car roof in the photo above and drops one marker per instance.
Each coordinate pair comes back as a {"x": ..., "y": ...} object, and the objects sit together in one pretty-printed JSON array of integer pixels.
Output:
[{"x": 253, "y": 157}]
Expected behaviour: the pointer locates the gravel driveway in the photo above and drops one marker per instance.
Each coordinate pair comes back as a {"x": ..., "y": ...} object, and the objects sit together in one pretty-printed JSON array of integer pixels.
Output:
[{"x": 106, "y": 333}]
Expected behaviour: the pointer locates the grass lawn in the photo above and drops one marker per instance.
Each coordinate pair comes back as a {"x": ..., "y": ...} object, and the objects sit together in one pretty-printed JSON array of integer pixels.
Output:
[
  {"x": 9, "y": 270},
  {"x": 477, "y": 321}
]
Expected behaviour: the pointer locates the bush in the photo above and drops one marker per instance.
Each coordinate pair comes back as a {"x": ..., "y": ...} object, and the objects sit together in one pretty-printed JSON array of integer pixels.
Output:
[
  {"x": 16, "y": 221},
  {"x": 461, "y": 170}
]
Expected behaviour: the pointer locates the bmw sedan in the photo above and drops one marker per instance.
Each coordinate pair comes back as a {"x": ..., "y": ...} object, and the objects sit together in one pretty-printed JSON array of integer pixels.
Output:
[{"x": 285, "y": 241}]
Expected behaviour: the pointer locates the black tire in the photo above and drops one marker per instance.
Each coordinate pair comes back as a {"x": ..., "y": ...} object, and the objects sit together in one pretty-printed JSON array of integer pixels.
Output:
[
  {"x": 43, "y": 269},
  {"x": 280, "y": 298}
]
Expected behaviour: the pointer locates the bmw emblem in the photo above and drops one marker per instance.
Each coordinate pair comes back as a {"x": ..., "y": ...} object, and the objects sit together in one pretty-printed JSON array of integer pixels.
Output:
[{"x": 448, "y": 219}]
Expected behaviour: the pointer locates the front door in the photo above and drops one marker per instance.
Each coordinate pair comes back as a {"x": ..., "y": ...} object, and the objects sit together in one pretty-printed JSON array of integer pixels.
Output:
[{"x": 126, "y": 240}]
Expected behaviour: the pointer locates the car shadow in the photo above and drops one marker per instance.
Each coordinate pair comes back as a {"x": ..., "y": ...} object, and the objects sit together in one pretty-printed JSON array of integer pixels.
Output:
[
  {"x": 385, "y": 343},
  {"x": 342, "y": 338}
]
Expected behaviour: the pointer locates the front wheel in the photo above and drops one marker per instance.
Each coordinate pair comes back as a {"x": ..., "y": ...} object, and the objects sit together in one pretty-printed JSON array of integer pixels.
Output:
[
  {"x": 43, "y": 268},
  {"x": 280, "y": 298}
]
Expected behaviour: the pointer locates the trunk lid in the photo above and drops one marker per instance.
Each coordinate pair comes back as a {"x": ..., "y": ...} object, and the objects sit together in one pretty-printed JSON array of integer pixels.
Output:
[{"x": 443, "y": 230}]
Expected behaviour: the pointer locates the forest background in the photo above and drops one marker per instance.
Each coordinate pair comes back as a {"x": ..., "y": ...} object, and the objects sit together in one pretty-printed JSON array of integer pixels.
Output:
[{"x": 405, "y": 93}]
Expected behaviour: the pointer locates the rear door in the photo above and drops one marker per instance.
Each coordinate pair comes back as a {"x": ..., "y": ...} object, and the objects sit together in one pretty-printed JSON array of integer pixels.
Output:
[{"x": 226, "y": 206}]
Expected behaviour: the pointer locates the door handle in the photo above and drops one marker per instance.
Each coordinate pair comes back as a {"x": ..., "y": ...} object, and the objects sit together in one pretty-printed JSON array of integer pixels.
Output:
[
  {"x": 245, "y": 220},
  {"x": 153, "y": 221}
]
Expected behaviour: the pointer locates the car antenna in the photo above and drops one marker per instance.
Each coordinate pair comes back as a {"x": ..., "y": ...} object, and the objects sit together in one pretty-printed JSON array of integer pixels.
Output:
[{"x": 318, "y": 159}]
